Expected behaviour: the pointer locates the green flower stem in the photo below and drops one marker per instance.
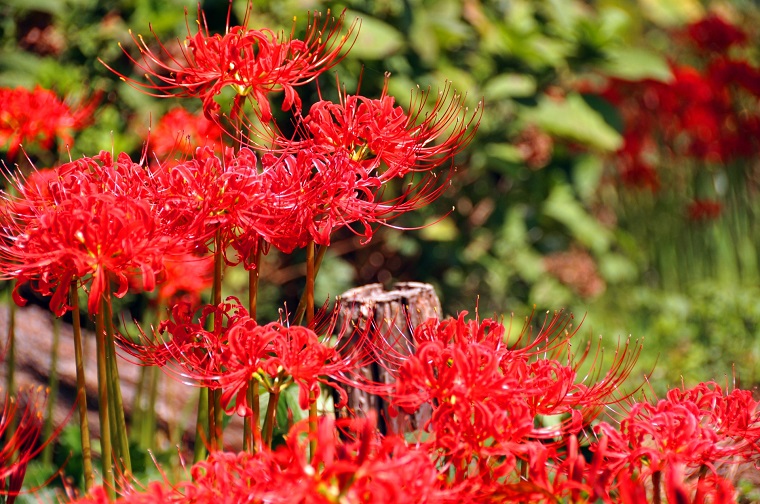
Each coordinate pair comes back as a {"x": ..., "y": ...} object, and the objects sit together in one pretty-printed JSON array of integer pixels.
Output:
[
  {"x": 201, "y": 426},
  {"x": 84, "y": 428},
  {"x": 269, "y": 416},
  {"x": 656, "y": 478},
  {"x": 148, "y": 432},
  {"x": 214, "y": 399},
  {"x": 10, "y": 377},
  {"x": 115, "y": 391},
  {"x": 47, "y": 431},
  {"x": 218, "y": 419},
  {"x": 301, "y": 309},
  {"x": 106, "y": 452},
  {"x": 310, "y": 278},
  {"x": 251, "y": 434}
]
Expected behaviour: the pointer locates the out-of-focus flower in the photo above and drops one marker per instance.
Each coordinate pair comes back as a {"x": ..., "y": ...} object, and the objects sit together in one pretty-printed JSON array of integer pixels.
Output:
[
  {"x": 713, "y": 33},
  {"x": 38, "y": 117},
  {"x": 576, "y": 269},
  {"x": 535, "y": 147},
  {"x": 702, "y": 210},
  {"x": 179, "y": 132}
]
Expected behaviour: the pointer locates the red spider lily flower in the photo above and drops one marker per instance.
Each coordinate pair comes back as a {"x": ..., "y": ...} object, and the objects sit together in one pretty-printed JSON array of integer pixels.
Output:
[
  {"x": 488, "y": 397},
  {"x": 697, "y": 428},
  {"x": 180, "y": 132},
  {"x": 311, "y": 195},
  {"x": 358, "y": 468},
  {"x": 38, "y": 117},
  {"x": 209, "y": 194},
  {"x": 254, "y": 63},
  {"x": 186, "y": 277},
  {"x": 713, "y": 33},
  {"x": 23, "y": 414},
  {"x": 87, "y": 225},
  {"x": 183, "y": 345},
  {"x": 702, "y": 210},
  {"x": 384, "y": 141},
  {"x": 473, "y": 401},
  {"x": 237, "y": 350}
]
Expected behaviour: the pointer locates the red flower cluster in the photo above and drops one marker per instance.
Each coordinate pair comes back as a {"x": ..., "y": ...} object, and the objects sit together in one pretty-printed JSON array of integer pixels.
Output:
[
  {"x": 20, "y": 430},
  {"x": 38, "y": 117},
  {"x": 180, "y": 132},
  {"x": 505, "y": 427},
  {"x": 88, "y": 222},
  {"x": 701, "y": 114},
  {"x": 364, "y": 468},
  {"x": 704, "y": 210},
  {"x": 254, "y": 63},
  {"x": 236, "y": 349},
  {"x": 688, "y": 437}
]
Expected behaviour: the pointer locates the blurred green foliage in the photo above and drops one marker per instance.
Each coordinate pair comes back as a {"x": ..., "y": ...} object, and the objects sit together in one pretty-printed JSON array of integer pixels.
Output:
[{"x": 533, "y": 183}]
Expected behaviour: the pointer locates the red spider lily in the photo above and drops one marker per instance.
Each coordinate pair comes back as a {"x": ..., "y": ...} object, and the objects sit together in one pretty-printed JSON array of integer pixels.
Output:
[
  {"x": 472, "y": 400},
  {"x": 190, "y": 350},
  {"x": 209, "y": 194},
  {"x": 314, "y": 195},
  {"x": 713, "y": 33},
  {"x": 23, "y": 415},
  {"x": 237, "y": 350},
  {"x": 488, "y": 398},
  {"x": 95, "y": 239},
  {"x": 252, "y": 62},
  {"x": 38, "y": 117},
  {"x": 704, "y": 210},
  {"x": 181, "y": 132},
  {"x": 359, "y": 468},
  {"x": 381, "y": 139},
  {"x": 699, "y": 428},
  {"x": 185, "y": 278}
]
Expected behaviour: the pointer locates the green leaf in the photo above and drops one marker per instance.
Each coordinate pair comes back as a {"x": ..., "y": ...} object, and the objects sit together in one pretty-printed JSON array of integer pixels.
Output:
[
  {"x": 509, "y": 85},
  {"x": 573, "y": 119},
  {"x": 443, "y": 230},
  {"x": 376, "y": 39},
  {"x": 635, "y": 63},
  {"x": 587, "y": 172},
  {"x": 562, "y": 206}
]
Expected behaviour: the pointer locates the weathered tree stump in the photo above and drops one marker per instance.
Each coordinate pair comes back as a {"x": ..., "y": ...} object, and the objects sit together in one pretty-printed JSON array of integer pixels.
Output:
[{"x": 395, "y": 314}]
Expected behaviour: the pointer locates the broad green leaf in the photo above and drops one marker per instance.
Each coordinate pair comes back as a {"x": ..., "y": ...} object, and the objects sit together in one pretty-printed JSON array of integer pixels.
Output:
[
  {"x": 617, "y": 268},
  {"x": 509, "y": 85},
  {"x": 376, "y": 39},
  {"x": 442, "y": 230},
  {"x": 573, "y": 119},
  {"x": 562, "y": 206},
  {"x": 587, "y": 172},
  {"x": 635, "y": 63},
  {"x": 672, "y": 12}
]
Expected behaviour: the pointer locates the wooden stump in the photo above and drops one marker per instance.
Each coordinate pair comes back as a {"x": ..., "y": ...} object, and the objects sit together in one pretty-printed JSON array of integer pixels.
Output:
[{"x": 395, "y": 314}]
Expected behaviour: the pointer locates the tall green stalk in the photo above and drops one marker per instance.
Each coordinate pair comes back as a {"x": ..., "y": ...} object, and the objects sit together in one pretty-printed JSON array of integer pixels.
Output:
[
  {"x": 301, "y": 309},
  {"x": 106, "y": 450},
  {"x": 114, "y": 383},
  {"x": 10, "y": 377},
  {"x": 84, "y": 428},
  {"x": 47, "y": 430},
  {"x": 310, "y": 280},
  {"x": 251, "y": 434},
  {"x": 215, "y": 397},
  {"x": 201, "y": 426}
]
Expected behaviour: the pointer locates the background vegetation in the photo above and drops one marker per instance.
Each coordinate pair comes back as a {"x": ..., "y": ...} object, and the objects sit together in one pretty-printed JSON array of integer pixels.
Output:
[{"x": 545, "y": 212}]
